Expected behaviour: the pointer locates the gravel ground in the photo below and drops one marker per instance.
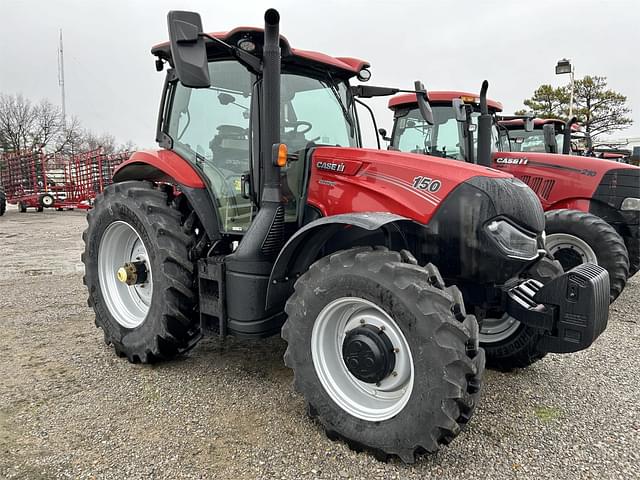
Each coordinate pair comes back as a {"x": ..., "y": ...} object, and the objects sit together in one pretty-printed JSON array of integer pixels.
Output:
[{"x": 69, "y": 408}]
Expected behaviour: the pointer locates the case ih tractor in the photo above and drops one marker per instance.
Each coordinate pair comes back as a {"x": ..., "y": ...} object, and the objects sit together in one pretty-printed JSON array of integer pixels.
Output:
[
  {"x": 261, "y": 214},
  {"x": 592, "y": 206}
]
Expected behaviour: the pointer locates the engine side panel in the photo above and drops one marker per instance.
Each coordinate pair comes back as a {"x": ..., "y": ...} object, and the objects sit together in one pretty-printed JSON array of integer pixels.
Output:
[{"x": 349, "y": 180}]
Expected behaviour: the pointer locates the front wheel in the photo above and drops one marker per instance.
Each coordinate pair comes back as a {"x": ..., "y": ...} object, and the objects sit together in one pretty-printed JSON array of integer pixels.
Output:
[
  {"x": 139, "y": 274},
  {"x": 384, "y": 355},
  {"x": 575, "y": 237}
]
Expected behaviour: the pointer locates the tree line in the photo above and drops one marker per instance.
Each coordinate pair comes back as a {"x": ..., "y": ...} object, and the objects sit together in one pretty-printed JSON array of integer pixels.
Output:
[
  {"x": 25, "y": 125},
  {"x": 599, "y": 109}
]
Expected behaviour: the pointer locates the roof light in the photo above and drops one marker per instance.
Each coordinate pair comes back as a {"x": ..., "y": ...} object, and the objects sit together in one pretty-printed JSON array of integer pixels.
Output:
[
  {"x": 246, "y": 45},
  {"x": 364, "y": 75},
  {"x": 469, "y": 99}
]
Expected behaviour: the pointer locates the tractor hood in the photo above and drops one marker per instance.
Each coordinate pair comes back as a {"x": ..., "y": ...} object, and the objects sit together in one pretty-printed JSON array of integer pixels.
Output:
[
  {"x": 558, "y": 178},
  {"x": 455, "y": 205},
  {"x": 345, "y": 180}
]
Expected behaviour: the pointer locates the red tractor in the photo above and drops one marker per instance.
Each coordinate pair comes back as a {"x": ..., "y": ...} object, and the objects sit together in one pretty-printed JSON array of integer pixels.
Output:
[
  {"x": 261, "y": 214},
  {"x": 592, "y": 206}
]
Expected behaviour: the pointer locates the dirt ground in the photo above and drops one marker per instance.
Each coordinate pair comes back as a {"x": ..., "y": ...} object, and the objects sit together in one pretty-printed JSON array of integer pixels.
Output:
[{"x": 69, "y": 408}]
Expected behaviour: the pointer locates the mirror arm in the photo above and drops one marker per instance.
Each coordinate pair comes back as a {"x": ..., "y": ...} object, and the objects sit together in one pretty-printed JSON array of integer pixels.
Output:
[
  {"x": 373, "y": 119},
  {"x": 250, "y": 61}
]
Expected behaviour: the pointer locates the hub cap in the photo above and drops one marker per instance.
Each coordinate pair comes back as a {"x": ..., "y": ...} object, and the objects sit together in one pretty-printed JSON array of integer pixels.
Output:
[
  {"x": 121, "y": 247},
  {"x": 570, "y": 250},
  {"x": 362, "y": 359}
]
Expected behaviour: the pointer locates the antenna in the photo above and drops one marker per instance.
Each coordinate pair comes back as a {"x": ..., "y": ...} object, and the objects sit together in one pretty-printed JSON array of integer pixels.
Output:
[{"x": 61, "y": 78}]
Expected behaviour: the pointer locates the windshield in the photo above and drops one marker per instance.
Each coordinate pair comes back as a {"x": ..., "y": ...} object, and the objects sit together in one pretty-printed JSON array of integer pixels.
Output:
[
  {"x": 213, "y": 129},
  {"x": 523, "y": 141},
  {"x": 443, "y": 139}
]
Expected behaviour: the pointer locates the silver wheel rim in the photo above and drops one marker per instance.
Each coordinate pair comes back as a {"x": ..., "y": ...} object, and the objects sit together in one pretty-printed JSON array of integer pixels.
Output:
[
  {"x": 367, "y": 401},
  {"x": 495, "y": 330},
  {"x": 47, "y": 201},
  {"x": 561, "y": 241},
  {"x": 128, "y": 304}
]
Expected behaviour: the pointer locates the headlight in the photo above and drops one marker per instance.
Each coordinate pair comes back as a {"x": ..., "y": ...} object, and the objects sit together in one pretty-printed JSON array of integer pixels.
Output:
[
  {"x": 513, "y": 242},
  {"x": 630, "y": 203}
]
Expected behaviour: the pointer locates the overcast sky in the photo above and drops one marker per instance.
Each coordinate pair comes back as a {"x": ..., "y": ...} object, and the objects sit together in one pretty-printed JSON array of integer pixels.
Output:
[{"x": 112, "y": 85}]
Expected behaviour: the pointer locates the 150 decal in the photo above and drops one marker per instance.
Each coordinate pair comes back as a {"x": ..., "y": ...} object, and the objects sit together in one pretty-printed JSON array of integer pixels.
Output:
[{"x": 426, "y": 183}]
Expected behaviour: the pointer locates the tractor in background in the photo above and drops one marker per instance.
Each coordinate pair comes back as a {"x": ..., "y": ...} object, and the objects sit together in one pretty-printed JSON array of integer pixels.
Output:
[
  {"x": 261, "y": 214},
  {"x": 592, "y": 206}
]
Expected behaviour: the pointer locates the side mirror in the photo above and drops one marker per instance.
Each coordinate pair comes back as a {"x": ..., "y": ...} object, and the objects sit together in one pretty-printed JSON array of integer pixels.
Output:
[
  {"x": 459, "y": 110},
  {"x": 550, "y": 142},
  {"x": 188, "y": 49},
  {"x": 528, "y": 124},
  {"x": 423, "y": 102},
  {"x": 383, "y": 134}
]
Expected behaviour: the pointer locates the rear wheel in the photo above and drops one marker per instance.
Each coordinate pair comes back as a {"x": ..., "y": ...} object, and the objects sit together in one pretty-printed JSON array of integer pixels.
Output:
[
  {"x": 575, "y": 237},
  {"x": 384, "y": 355},
  {"x": 139, "y": 274}
]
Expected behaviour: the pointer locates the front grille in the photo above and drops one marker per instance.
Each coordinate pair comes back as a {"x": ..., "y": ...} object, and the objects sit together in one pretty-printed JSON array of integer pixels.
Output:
[{"x": 618, "y": 184}]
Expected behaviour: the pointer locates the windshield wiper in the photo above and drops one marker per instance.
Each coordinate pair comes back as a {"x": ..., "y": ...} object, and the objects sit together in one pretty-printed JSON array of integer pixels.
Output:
[{"x": 345, "y": 111}]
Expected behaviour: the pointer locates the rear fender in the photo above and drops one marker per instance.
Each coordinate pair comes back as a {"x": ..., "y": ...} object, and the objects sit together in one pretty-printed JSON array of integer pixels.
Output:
[
  {"x": 167, "y": 166},
  {"x": 341, "y": 231}
]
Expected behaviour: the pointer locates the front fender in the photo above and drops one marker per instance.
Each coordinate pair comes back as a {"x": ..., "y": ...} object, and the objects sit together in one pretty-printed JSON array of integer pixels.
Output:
[
  {"x": 580, "y": 204},
  {"x": 303, "y": 247}
]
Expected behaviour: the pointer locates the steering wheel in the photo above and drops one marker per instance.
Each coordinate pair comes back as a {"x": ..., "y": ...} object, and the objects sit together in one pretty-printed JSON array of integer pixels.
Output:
[{"x": 298, "y": 123}]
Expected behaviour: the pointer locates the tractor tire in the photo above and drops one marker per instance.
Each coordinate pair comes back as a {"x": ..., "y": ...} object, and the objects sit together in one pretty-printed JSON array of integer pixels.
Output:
[
  {"x": 509, "y": 344},
  {"x": 405, "y": 407},
  {"x": 575, "y": 237},
  {"x": 633, "y": 248},
  {"x": 136, "y": 222},
  {"x": 22, "y": 207},
  {"x": 39, "y": 209},
  {"x": 3, "y": 202}
]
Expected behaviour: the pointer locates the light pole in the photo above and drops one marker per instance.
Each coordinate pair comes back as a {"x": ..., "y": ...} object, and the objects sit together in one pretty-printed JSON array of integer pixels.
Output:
[{"x": 564, "y": 66}]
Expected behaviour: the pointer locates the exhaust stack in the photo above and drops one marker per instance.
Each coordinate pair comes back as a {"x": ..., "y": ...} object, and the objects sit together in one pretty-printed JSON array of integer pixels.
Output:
[{"x": 484, "y": 129}]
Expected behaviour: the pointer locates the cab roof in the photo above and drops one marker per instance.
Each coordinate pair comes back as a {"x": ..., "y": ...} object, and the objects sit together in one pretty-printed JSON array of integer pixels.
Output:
[
  {"x": 342, "y": 66},
  {"x": 435, "y": 97},
  {"x": 518, "y": 123}
]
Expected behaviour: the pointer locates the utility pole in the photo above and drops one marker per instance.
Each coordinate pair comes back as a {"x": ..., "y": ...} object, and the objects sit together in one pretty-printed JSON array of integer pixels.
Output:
[{"x": 61, "y": 78}]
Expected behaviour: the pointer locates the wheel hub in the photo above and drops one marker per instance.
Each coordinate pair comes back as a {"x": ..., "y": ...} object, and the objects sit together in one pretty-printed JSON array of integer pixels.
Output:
[
  {"x": 368, "y": 354},
  {"x": 132, "y": 273}
]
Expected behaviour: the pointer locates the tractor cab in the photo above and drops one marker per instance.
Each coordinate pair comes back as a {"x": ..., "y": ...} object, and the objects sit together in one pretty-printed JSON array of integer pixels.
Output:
[
  {"x": 548, "y": 134},
  {"x": 454, "y": 133}
]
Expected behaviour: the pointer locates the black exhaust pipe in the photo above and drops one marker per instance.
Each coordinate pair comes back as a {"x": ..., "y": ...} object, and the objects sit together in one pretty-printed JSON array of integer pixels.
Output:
[
  {"x": 265, "y": 236},
  {"x": 484, "y": 129},
  {"x": 270, "y": 121},
  {"x": 566, "y": 143}
]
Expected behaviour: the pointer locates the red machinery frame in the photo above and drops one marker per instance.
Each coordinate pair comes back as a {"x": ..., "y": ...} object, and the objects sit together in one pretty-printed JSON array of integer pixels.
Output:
[{"x": 38, "y": 180}]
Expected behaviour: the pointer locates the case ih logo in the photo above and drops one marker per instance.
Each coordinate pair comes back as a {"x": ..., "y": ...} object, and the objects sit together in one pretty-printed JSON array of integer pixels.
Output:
[
  {"x": 332, "y": 167},
  {"x": 512, "y": 161}
]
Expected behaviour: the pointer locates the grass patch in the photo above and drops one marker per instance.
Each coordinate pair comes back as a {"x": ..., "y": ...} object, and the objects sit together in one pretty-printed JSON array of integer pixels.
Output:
[{"x": 547, "y": 414}]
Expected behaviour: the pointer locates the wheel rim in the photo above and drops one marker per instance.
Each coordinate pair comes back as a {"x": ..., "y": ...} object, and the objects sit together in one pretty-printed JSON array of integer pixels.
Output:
[
  {"x": 47, "y": 201},
  {"x": 570, "y": 250},
  {"x": 495, "y": 330},
  {"x": 367, "y": 401},
  {"x": 128, "y": 304}
]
